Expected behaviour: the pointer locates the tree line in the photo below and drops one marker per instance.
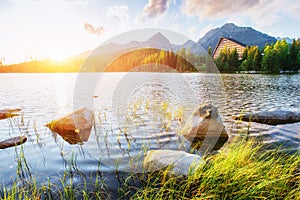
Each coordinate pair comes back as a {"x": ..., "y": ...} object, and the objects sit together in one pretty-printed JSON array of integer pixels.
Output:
[
  {"x": 274, "y": 58},
  {"x": 152, "y": 60}
]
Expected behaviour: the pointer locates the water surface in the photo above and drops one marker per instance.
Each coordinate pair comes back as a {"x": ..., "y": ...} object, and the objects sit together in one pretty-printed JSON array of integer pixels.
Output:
[{"x": 133, "y": 112}]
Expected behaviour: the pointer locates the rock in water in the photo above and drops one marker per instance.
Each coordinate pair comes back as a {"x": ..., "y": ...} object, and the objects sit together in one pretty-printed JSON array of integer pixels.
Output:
[
  {"x": 205, "y": 129},
  {"x": 15, "y": 141},
  {"x": 270, "y": 117},
  {"x": 8, "y": 113},
  {"x": 180, "y": 162},
  {"x": 74, "y": 127}
]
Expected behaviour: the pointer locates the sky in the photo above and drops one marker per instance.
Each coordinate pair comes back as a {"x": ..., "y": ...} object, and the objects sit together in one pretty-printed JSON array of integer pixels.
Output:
[{"x": 61, "y": 28}]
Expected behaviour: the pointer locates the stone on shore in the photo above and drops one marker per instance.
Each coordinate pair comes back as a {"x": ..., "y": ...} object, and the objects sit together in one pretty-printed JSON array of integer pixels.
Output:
[
  {"x": 74, "y": 127},
  {"x": 270, "y": 117},
  {"x": 11, "y": 142},
  {"x": 179, "y": 163},
  {"x": 205, "y": 129},
  {"x": 8, "y": 113}
]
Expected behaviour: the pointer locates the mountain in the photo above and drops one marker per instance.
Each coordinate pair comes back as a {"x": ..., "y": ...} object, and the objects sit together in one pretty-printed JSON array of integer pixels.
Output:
[
  {"x": 158, "y": 41},
  {"x": 287, "y": 39},
  {"x": 99, "y": 58},
  {"x": 246, "y": 35},
  {"x": 193, "y": 46}
]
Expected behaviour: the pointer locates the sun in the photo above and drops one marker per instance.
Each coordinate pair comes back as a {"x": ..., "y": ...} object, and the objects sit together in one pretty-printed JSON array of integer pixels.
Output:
[{"x": 58, "y": 56}]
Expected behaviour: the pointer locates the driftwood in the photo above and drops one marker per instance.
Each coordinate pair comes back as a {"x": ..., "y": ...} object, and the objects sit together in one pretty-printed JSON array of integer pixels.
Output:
[
  {"x": 8, "y": 113},
  {"x": 11, "y": 142},
  {"x": 270, "y": 117}
]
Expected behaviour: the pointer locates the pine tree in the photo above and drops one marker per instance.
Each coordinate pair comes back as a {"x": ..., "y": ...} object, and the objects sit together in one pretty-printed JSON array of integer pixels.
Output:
[
  {"x": 269, "y": 60},
  {"x": 294, "y": 63},
  {"x": 209, "y": 51},
  {"x": 233, "y": 60}
]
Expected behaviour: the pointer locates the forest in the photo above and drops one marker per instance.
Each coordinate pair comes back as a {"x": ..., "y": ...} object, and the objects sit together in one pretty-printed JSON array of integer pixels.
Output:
[{"x": 274, "y": 58}]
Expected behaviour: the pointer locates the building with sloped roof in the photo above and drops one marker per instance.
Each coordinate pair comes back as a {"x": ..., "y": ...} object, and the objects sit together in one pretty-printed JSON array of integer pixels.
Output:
[{"x": 230, "y": 44}]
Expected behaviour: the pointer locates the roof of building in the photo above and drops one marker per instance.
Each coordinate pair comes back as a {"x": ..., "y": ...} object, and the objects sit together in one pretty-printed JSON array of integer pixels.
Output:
[{"x": 231, "y": 39}]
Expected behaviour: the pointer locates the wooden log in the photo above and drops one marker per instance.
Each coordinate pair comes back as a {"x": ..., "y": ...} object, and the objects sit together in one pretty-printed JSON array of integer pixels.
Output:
[
  {"x": 8, "y": 113},
  {"x": 270, "y": 117},
  {"x": 11, "y": 142}
]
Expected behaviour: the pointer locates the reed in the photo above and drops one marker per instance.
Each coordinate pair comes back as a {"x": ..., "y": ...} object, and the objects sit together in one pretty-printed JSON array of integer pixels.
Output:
[{"x": 241, "y": 170}]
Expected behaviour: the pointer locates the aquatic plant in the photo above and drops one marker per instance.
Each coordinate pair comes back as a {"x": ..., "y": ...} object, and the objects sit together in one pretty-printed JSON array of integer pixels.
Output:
[{"x": 241, "y": 170}]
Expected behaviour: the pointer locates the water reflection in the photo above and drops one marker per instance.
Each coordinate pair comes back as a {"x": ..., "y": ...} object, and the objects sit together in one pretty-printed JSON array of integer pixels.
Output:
[
  {"x": 72, "y": 137},
  {"x": 61, "y": 85}
]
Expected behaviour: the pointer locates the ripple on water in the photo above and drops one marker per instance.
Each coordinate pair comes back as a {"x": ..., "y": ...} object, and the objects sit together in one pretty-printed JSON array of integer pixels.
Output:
[{"x": 44, "y": 97}]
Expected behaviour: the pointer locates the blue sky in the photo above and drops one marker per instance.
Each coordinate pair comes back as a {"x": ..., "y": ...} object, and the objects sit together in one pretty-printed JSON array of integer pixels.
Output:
[{"x": 60, "y": 28}]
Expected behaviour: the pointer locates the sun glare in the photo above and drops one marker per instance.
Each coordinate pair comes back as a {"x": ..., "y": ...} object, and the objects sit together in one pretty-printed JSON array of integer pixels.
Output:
[{"x": 58, "y": 57}]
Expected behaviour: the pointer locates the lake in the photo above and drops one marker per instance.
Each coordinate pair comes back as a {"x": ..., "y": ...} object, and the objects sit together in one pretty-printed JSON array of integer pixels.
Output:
[{"x": 133, "y": 112}]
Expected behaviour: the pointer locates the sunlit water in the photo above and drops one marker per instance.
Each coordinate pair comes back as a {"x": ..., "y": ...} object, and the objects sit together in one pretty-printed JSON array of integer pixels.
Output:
[{"x": 131, "y": 115}]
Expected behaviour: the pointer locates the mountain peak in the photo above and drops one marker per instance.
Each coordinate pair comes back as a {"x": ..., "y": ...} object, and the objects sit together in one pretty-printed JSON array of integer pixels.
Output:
[
  {"x": 158, "y": 36},
  {"x": 246, "y": 35},
  {"x": 189, "y": 42},
  {"x": 229, "y": 25},
  {"x": 158, "y": 40}
]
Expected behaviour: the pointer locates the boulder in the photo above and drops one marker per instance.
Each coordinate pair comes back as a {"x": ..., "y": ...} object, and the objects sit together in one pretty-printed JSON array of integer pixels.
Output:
[
  {"x": 205, "y": 129},
  {"x": 179, "y": 163},
  {"x": 15, "y": 141},
  {"x": 74, "y": 127},
  {"x": 8, "y": 113},
  {"x": 270, "y": 117}
]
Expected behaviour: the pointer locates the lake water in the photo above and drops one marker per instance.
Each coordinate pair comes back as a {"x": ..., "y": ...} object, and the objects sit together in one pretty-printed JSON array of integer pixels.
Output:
[{"x": 133, "y": 112}]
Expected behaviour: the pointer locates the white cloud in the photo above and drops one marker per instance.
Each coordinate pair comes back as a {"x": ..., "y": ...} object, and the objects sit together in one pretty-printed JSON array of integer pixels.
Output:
[
  {"x": 269, "y": 14},
  {"x": 155, "y": 8},
  {"x": 217, "y": 8},
  {"x": 118, "y": 14},
  {"x": 264, "y": 15},
  {"x": 92, "y": 29}
]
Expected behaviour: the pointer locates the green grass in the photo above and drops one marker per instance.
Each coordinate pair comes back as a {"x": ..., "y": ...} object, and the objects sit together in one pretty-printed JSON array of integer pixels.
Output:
[{"x": 240, "y": 172}]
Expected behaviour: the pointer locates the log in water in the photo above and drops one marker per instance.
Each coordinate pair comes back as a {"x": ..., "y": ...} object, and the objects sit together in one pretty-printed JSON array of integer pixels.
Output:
[{"x": 11, "y": 142}]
